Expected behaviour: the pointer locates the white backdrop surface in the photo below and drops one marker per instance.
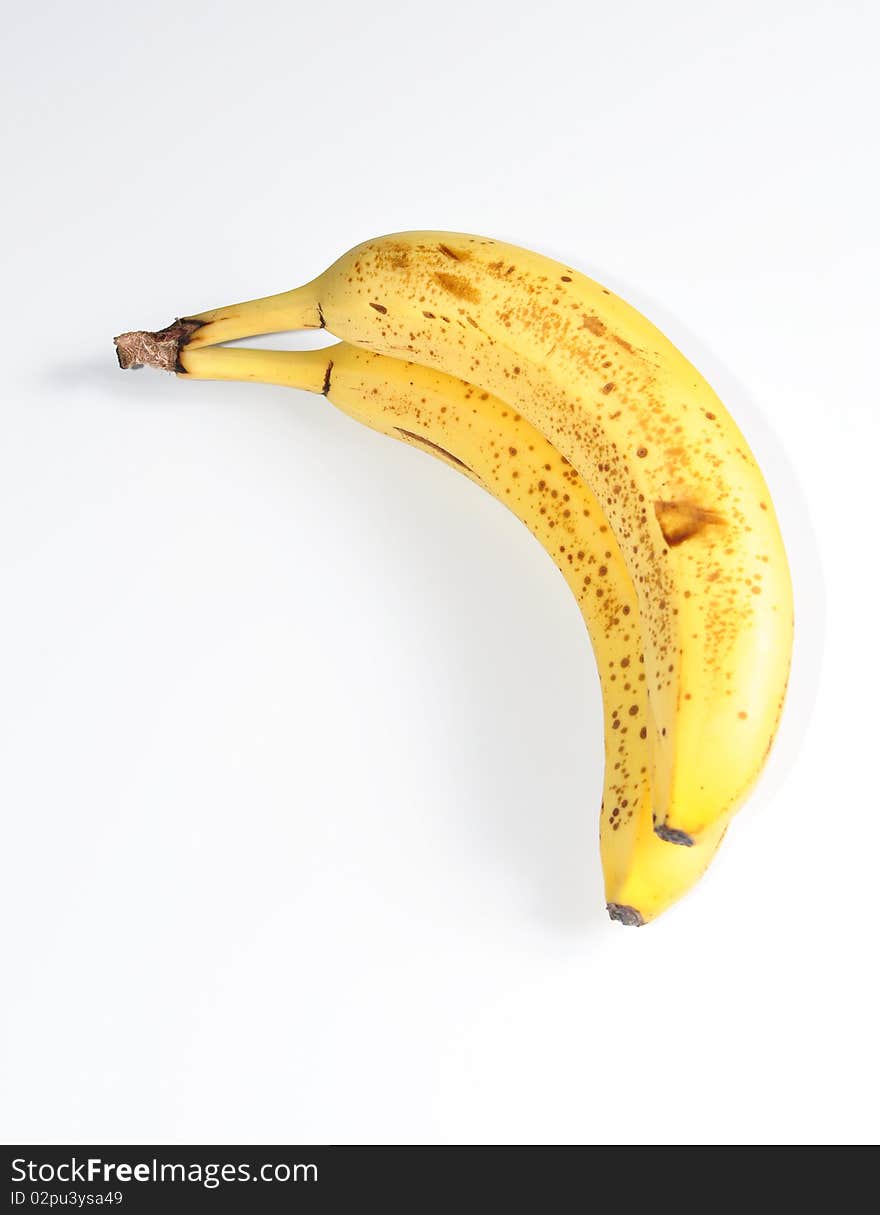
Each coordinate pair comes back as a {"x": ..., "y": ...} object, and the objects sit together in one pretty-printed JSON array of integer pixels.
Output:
[{"x": 300, "y": 733}]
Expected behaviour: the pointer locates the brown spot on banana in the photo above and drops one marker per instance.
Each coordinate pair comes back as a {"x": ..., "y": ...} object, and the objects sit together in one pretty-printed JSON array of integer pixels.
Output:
[
  {"x": 457, "y": 255},
  {"x": 679, "y": 521},
  {"x": 458, "y": 286},
  {"x": 414, "y": 438}
]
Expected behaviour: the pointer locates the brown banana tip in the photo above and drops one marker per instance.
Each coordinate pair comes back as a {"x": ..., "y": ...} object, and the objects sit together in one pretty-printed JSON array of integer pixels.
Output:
[
  {"x": 671, "y": 835},
  {"x": 161, "y": 349},
  {"x": 625, "y": 915}
]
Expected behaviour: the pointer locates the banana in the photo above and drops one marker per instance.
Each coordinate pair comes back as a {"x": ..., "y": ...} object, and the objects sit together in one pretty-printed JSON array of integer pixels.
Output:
[
  {"x": 673, "y": 474},
  {"x": 481, "y": 437}
]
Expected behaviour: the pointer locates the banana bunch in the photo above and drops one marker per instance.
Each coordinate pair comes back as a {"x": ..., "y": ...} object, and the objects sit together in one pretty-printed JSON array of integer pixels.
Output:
[{"x": 578, "y": 414}]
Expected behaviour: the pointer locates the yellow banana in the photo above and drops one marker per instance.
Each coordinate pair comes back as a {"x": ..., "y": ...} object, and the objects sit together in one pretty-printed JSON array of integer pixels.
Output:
[
  {"x": 673, "y": 474},
  {"x": 483, "y": 438}
]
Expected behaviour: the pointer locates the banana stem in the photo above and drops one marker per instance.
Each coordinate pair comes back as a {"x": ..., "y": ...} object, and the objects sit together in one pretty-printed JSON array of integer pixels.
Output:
[
  {"x": 306, "y": 369},
  {"x": 296, "y": 309},
  {"x": 161, "y": 349}
]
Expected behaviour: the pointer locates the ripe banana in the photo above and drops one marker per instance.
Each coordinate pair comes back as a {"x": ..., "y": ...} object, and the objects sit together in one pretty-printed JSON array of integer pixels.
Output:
[
  {"x": 673, "y": 474},
  {"x": 483, "y": 438}
]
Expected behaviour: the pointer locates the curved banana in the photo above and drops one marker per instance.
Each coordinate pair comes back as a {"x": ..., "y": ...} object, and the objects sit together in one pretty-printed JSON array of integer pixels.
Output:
[
  {"x": 675, "y": 477},
  {"x": 481, "y": 437}
]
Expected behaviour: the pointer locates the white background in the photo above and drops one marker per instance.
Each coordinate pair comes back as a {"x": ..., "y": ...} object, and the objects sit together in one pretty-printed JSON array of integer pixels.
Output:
[{"x": 301, "y": 734}]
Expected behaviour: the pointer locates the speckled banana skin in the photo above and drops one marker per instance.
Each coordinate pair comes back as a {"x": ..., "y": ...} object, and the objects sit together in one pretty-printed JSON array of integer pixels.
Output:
[
  {"x": 672, "y": 472},
  {"x": 483, "y": 438}
]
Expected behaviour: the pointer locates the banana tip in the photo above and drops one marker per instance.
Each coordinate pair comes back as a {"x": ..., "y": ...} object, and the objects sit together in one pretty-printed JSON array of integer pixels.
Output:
[
  {"x": 624, "y": 914},
  {"x": 671, "y": 835}
]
